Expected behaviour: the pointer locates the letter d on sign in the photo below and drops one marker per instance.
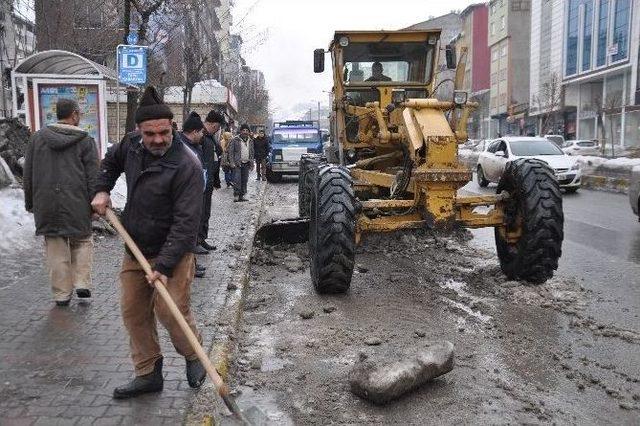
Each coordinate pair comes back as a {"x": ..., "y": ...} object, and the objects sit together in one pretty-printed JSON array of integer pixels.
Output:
[{"x": 133, "y": 61}]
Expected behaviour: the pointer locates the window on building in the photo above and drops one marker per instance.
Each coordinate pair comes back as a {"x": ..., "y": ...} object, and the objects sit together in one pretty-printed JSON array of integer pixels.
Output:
[
  {"x": 587, "y": 33},
  {"x": 621, "y": 30},
  {"x": 572, "y": 38},
  {"x": 520, "y": 5},
  {"x": 502, "y": 22},
  {"x": 603, "y": 16}
]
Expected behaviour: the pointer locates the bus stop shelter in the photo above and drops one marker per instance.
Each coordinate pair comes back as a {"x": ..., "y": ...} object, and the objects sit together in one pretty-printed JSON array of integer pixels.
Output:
[{"x": 41, "y": 79}]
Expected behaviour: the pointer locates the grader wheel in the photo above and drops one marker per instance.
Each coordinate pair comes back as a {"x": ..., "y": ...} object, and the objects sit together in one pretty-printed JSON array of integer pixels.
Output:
[
  {"x": 332, "y": 228},
  {"x": 534, "y": 216},
  {"x": 308, "y": 168}
]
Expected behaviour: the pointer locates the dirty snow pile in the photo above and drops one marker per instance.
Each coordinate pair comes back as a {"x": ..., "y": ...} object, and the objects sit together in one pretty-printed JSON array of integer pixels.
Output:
[
  {"x": 619, "y": 164},
  {"x": 17, "y": 229}
]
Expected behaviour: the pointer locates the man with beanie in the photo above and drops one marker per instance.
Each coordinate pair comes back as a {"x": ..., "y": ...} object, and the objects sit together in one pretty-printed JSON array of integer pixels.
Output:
[
  {"x": 241, "y": 158},
  {"x": 212, "y": 151},
  {"x": 162, "y": 214},
  {"x": 60, "y": 166},
  {"x": 192, "y": 133},
  {"x": 261, "y": 148}
]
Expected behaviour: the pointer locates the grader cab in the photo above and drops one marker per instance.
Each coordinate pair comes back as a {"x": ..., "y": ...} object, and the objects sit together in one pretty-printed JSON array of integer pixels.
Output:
[{"x": 394, "y": 163}]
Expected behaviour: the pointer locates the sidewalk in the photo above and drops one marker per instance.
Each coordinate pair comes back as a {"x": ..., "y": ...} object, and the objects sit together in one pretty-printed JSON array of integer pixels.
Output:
[{"x": 60, "y": 365}]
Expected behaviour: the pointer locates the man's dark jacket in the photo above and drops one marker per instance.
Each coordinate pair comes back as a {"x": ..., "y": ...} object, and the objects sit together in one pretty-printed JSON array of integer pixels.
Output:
[
  {"x": 209, "y": 146},
  {"x": 60, "y": 169},
  {"x": 164, "y": 198},
  {"x": 261, "y": 147}
]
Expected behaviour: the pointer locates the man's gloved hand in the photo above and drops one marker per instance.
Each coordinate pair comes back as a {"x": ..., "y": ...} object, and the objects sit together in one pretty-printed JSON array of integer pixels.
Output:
[{"x": 151, "y": 279}]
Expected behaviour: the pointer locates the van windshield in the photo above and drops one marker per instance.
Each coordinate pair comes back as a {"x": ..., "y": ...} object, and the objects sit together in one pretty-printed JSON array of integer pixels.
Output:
[{"x": 295, "y": 136}]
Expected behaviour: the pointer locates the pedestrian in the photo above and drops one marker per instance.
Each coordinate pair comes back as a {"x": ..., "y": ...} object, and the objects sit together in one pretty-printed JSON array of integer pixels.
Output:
[
  {"x": 261, "y": 149},
  {"x": 192, "y": 136},
  {"x": 224, "y": 161},
  {"x": 162, "y": 214},
  {"x": 241, "y": 158},
  {"x": 211, "y": 152},
  {"x": 60, "y": 169}
]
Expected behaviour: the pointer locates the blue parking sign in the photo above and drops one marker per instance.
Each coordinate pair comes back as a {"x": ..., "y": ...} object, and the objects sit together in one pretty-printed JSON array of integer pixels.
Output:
[{"x": 132, "y": 64}]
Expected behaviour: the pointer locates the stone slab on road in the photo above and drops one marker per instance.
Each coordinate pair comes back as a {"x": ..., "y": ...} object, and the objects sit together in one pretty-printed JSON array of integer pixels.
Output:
[{"x": 60, "y": 365}]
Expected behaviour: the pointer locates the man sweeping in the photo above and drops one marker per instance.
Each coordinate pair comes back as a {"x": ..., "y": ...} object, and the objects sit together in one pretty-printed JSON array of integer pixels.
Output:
[{"x": 162, "y": 215}]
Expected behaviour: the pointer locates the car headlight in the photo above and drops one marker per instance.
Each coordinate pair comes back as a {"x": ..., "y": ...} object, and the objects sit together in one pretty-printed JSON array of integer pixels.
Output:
[{"x": 576, "y": 166}]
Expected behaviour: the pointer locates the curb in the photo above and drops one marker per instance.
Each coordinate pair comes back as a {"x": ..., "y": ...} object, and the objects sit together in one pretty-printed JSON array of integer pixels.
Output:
[
  {"x": 229, "y": 322},
  {"x": 614, "y": 184}
]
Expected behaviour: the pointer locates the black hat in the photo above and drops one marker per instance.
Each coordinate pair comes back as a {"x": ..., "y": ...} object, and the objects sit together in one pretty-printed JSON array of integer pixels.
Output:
[
  {"x": 193, "y": 122},
  {"x": 151, "y": 107},
  {"x": 214, "y": 117},
  {"x": 245, "y": 126}
]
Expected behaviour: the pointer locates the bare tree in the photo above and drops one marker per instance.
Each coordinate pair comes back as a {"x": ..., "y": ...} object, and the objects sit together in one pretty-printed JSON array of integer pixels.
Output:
[
  {"x": 610, "y": 106},
  {"x": 549, "y": 102}
]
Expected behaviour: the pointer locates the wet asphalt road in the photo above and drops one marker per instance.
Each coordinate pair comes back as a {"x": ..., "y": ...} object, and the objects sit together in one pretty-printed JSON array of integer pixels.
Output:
[
  {"x": 564, "y": 352},
  {"x": 601, "y": 248}
]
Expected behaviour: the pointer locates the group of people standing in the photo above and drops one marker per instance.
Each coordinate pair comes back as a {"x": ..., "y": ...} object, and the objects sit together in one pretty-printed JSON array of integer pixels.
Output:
[{"x": 170, "y": 179}]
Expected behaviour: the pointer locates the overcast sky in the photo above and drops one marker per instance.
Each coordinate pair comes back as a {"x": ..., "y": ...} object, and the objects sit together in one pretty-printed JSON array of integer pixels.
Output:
[{"x": 280, "y": 36}]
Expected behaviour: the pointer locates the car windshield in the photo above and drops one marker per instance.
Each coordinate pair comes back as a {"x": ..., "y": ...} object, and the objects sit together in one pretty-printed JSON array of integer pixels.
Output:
[
  {"x": 533, "y": 148},
  {"x": 400, "y": 62},
  {"x": 295, "y": 136}
]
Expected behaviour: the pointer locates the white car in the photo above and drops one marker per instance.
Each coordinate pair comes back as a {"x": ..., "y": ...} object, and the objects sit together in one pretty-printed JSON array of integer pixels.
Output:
[
  {"x": 581, "y": 147},
  {"x": 492, "y": 161}
]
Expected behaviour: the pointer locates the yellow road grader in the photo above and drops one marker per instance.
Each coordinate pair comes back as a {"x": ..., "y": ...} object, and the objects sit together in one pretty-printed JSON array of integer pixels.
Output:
[{"x": 394, "y": 162}]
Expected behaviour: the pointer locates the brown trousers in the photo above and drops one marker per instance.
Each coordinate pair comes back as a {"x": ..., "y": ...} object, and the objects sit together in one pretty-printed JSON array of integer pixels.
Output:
[
  {"x": 69, "y": 262},
  {"x": 140, "y": 305}
]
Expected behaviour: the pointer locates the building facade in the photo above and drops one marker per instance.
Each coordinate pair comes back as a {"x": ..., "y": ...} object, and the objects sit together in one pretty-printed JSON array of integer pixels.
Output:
[
  {"x": 17, "y": 41},
  {"x": 477, "y": 77},
  {"x": 509, "y": 43},
  {"x": 546, "y": 101},
  {"x": 600, "y": 69}
]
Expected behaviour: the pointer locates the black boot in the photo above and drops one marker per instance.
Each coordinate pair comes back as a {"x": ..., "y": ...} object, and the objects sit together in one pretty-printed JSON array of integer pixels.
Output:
[
  {"x": 195, "y": 373},
  {"x": 148, "y": 383}
]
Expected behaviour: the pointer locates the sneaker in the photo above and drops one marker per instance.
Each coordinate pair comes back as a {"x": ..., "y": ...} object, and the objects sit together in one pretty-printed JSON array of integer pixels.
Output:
[
  {"x": 208, "y": 246},
  {"x": 236, "y": 198},
  {"x": 242, "y": 199},
  {"x": 63, "y": 302},
  {"x": 83, "y": 293},
  {"x": 200, "y": 250}
]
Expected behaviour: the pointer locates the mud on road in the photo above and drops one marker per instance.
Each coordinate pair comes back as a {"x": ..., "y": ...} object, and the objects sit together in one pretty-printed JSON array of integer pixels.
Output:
[{"x": 522, "y": 353}]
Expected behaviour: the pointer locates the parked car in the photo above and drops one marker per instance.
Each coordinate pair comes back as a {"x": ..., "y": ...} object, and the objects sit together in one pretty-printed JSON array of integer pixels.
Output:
[
  {"x": 581, "y": 147},
  {"x": 492, "y": 161},
  {"x": 634, "y": 190},
  {"x": 557, "y": 139}
]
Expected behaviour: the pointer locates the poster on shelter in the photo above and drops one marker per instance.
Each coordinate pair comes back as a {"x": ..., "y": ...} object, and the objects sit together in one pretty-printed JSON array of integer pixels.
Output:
[{"x": 87, "y": 97}]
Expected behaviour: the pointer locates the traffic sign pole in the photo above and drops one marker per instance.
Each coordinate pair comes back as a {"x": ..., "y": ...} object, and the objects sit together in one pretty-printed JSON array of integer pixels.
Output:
[
  {"x": 131, "y": 69},
  {"x": 117, "y": 95}
]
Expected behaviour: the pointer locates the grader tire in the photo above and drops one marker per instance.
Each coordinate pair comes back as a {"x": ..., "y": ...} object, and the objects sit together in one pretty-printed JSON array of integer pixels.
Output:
[
  {"x": 535, "y": 206},
  {"x": 332, "y": 227},
  {"x": 308, "y": 168}
]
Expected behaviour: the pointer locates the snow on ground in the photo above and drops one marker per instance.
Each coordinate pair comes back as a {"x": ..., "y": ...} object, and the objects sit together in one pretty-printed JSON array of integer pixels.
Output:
[
  {"x": 17, "y": 229},
  {"x": 620, "y": 163}
]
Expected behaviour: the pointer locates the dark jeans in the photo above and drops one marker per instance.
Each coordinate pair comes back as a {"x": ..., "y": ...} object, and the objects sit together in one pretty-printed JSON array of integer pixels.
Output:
[
  {"x": 261, "y": 167},
  {"x": 203, "y": 233},
  {"x": 228, "y": 176},
  {"x": 240, "y": 179}
]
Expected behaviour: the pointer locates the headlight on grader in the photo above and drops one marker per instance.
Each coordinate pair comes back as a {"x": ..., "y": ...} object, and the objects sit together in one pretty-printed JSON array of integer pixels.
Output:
[
  {"x": 459, "y": 97},
  {"x": 398, "y": 96}
]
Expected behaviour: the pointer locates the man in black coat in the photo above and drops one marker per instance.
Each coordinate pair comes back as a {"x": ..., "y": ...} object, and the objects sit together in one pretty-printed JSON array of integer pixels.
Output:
[
  {"x": 261, "y": 149},
  {"x": 162, "y": 214},
  {"x": 60, "y": 168},
  {"x": 211, "y": 152}
]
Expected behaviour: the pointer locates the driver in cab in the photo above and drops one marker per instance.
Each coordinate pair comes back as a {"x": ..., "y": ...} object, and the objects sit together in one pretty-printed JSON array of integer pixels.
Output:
[{"x": 376, "y": 73}]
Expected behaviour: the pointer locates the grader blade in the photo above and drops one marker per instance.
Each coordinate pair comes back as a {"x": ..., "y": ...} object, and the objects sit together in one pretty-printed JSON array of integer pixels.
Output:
[{"x": 284, "y": 231}]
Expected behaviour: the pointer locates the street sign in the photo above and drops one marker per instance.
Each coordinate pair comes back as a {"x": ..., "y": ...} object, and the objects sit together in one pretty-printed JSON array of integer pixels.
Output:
[
  {"x": 132, "y": 38},
  {"x": 132, "y": 64}
]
